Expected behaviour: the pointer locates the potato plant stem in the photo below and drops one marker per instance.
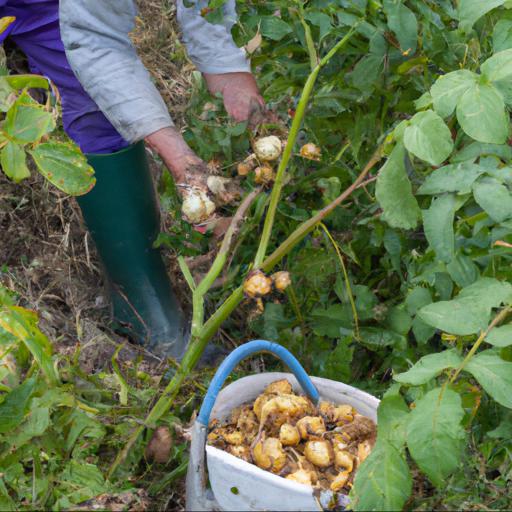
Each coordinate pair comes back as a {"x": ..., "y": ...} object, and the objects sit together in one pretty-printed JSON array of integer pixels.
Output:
[
  {"x": 497, "y": 320},
  {"x": 292, "y": 137}
]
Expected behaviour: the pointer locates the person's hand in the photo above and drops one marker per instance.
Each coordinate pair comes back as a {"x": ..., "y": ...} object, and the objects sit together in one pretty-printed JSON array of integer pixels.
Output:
[
  {"x": 242, "y": 99},
  {"x": 186, "y": 167}
]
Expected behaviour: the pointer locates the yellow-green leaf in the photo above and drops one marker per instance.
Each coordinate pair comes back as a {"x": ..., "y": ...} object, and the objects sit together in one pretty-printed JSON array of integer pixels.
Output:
[
  {"x": 65, "y": 166},
  {"x": 14, "y": 161}
]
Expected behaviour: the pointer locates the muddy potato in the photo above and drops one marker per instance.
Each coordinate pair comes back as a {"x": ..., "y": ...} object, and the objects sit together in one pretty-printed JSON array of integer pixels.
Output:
[
  {"x": 303, "y": 476},
  {"x": 247, "y": 422},
  {"x": 289, "y": 435},
  {"x": 282, "y": 408},
  {"x": 234, "y": 437},
  {"x": 159, "y": 446},
  {"x": 310, "y": 151},
  {"x": 336, "y": 413},
  {"x": 259, "y": 403},
  {"x": 197, "y": 206},
  {"x": 257, "y": 284},
  {"x": 264, "y": 175},
  {"x": 281, "y": 280},
  {"x": 269, "y": 454},
  {"x": 279, "y": 387},
  {"x": 343, "y": 459},
  {"x": 363, "y": 450},
  {"x": 310, "y": 426},
  {"x": 268, "y": 149},
  {"x": 319, "y": 453},
  {"x": 340, "y": 481},
  {"x": 242, "y": 452}
]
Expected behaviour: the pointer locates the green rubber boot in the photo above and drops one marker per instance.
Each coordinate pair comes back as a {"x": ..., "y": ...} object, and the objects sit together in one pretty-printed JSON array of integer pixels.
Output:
[{"x": 122, "y": 214}]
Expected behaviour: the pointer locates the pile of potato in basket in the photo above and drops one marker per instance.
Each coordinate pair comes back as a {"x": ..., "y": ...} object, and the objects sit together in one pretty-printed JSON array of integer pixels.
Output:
[{"x": 284, "y": 433}]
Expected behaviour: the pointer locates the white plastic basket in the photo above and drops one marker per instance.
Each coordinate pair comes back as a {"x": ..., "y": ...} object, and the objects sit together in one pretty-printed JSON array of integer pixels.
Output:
[{"x": 239, "y": 485}]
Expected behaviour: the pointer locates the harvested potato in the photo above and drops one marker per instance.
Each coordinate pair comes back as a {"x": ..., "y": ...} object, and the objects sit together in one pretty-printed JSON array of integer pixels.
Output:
[
  {"x": 279, "y": 387},
  {"x": 289, "y": 435},
  {"x": 319, "y": 453},
  {"x": 303, "y": 476},
  {"x": 310, "y": 426},
  {"x": 269, "y": 454},
  {"x": 340, "y": 481},
  {"x": 284, "y": 433}
]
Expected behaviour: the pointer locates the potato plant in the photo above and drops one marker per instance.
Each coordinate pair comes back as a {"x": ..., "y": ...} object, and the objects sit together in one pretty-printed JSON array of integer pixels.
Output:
[{"x": 405, "y": 290}]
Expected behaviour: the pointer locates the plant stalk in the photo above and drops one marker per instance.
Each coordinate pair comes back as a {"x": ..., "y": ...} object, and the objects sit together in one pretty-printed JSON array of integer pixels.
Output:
[
  {"x": 287, "y": 153},
  {"x": 497, "y": 320}
]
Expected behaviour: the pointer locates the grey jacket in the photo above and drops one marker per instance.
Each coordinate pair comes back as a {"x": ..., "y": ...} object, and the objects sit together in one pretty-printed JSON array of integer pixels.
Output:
[{"x": 102, "y": 56}]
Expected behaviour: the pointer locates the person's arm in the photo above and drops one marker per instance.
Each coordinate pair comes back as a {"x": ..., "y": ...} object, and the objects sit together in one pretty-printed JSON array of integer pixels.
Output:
[
  {"x": 224, "y": 65},
  {"x": 102, "y": 56}
]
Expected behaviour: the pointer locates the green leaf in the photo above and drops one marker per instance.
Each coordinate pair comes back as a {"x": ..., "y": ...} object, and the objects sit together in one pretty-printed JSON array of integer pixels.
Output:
[
  {"x": 502, "y": 35},
  {"x": 500, "y": 336},
  {"x": 452, "y": 178},
  {"x": 82, "y": 481},
  {"x": 321, "y": 20},
  {"x": 394, "y": 192},
  {"x": 27, "y": 120},
  {"x": 494, "y": 198},
  {"x": 15, "y": 406},
  {"x": 435, "y": 434},
  {"x": 470, "y": 312},
  {"x": 403, "y": 22},
  {"x": 429, "y": 367},
  {"x": 22, "y": 324},
  {"x": 35, "y": 425},
  {"x": 383, "y": 482},
  {"x": 494, "y": 375},
  {"x": 417, "y": 298},
  {"x": 392, "y": 417},
  {"x": 448, "y": 89},
  {"x": 463, "y": 271},
  {"x": 14, "y": 162},
  {"x": 428, "y": 138},
  {"x": 330, "y": 322},
  {"x": 376, "y": 337},
  {"x": 274, "y": 28},
  {"x": 470, "y": 11},
  {"x": 498, "y": 70},
  {"x": 438, "y": 226},
  {"x": 481, "y": 114},
  {"x": 65, "y": 166}
]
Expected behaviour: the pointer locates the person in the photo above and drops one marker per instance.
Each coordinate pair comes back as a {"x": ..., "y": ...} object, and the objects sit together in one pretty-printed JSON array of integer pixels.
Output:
[{"x": 111, "y": 108}]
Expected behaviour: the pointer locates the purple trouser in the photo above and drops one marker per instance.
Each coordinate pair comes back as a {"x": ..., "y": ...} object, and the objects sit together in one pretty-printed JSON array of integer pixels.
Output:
[{"x": 36, "y": 32}]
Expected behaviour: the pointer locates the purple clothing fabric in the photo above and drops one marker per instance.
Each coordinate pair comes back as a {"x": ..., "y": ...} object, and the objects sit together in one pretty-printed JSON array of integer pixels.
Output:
[{"x": 36, "y": 32}]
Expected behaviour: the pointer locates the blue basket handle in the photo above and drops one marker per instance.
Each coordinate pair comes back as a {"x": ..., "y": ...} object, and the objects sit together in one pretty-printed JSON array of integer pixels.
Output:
[{"x": 242, "y": 352}]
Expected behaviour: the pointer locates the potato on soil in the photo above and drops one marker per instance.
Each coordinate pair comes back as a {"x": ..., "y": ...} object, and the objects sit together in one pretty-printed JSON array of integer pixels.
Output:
[
  {"x": 268, "y": 148},
  {"x": 264, "y": 175},
  {"x": 159, "y": 447},
  {"x": 310, "y": 151}
]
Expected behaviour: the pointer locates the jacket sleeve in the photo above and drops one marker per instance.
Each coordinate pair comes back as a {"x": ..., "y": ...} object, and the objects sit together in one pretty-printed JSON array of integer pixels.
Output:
[
  {"x": 103, "y": 58},
  {"x": 210, "y": 46}
]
